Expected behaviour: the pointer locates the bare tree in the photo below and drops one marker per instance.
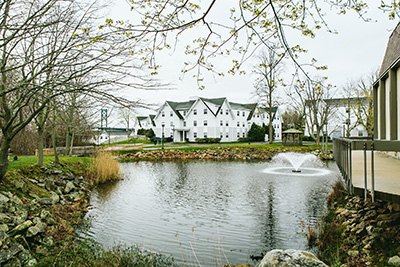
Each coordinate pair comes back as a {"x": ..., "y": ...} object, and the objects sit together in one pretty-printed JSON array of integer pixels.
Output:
[
  {"x": 361, "y": 104},
  {"x": 46, "y": 45},
  {"x": 309, "y": 100},
  {"x": 236, "y": 29},
  {"x": 268, "y": 72}
]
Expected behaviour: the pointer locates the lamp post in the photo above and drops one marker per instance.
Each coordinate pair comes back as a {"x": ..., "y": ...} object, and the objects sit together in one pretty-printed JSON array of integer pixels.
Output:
[{"x": 162, "y": 137}]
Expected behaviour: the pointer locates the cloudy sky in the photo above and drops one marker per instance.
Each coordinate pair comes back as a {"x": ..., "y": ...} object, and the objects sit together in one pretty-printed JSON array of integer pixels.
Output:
[{"x": 356, "y": 50}]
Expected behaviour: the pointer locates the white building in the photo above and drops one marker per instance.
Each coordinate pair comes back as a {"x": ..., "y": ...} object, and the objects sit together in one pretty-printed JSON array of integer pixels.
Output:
[
  {"x": 210, "y": 118},
  {"x": 342, "y": 119}
]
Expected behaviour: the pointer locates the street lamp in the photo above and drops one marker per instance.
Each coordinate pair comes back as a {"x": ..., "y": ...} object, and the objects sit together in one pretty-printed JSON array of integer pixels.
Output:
[{"x": 162, "y": 138}]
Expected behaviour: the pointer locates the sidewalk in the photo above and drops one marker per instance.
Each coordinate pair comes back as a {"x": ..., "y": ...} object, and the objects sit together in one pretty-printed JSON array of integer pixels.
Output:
[{"x": 387, "y": 172}]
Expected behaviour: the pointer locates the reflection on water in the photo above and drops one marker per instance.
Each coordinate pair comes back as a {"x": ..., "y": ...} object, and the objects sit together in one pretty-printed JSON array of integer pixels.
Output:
[{"x": 208, "y": 211}]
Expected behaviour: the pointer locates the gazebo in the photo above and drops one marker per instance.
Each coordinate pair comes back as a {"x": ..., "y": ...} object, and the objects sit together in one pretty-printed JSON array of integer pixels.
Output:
[{"x": 292, "y": 137}]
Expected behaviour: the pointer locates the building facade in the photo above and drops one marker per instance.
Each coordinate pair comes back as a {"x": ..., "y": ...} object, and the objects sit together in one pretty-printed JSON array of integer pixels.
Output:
[{"x": 211, "y": 118}]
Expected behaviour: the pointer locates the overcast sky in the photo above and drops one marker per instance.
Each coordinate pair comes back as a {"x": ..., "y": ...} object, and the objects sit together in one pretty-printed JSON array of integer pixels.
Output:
[{"x": 356, "y": 50}]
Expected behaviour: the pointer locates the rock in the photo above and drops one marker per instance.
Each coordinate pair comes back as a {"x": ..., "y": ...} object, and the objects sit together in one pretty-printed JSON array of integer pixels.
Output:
[
  {"x": 15, "y": 262},
  {"x": 4, "y": 218},
  {"x": 56, "y": 171},
  {"x": 15, "y": 199},
  {"x": 50, "y": 185},
  {"x": 21, "y": 185},
  {"x": 22, "y": 227},
  {"x": 7, "y": 254},
  {"x": 3, "y": 199},
  {"x": 31, "y": 262},
  {"x": 290, "y": 258},
  {"x": 353, "y": 253},
  {"x": 69, "y": 187},
  {"x": 32, "y": 231},
  {"x": 394, "y": 261},
  {"x": 46, "y": 201},
  {"x": 3, "y": 228},
  {"x": 55, "y": 198}
]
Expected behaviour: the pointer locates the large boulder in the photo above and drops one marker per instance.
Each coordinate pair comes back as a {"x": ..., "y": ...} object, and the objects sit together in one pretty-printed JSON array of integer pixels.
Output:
[{"x": 290, "y": 258}]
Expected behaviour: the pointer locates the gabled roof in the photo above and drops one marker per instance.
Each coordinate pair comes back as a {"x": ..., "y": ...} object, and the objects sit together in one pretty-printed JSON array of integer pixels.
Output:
[
  {"x": 179, "y": 106},
  {"x": 392, "y": 54}
]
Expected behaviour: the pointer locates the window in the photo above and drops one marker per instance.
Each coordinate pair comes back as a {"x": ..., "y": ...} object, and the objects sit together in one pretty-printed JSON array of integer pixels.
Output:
[
  {"x": 195, "y": 135},
  {"x": 194, "y": 111},
  {"x": 163, "y": 114},
  {"x": 205, "y": 111},
  {"x": 184, "y": 124},
  {"x": 171, "y": 124},
  {"x": 244, "y": 124},
  {"x": 205, "y": 123},
  {"x": 162, "y": 124},
  {"x": 244, "y": 114},
  {"x": 194, "y": 123},
  {"x": 171, "y": 134},
  {"x": 238, "y": 113},
  {"x": 238, "y": 134},
  {"x": 221, "y": 123},
  {"x": 205, "y": 135},
  {"x": 258, "y": 115},
  {"x": 227, "y": 135},
  {"x": 227, "y": 112},
  {"x": 221, "y": 135},
  {"x": 221, "y": 112},
  {"x": 227, "y": 123},
  {"x": 244, "y": 135},
  {"x": 238, "y": 124},
  {"x": 171, "y": 113},
  {"x": 184, "y": 113}
]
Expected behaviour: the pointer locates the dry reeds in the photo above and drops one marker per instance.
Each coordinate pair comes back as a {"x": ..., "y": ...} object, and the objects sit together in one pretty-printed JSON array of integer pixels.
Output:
[{"x": 105, "y": 167}]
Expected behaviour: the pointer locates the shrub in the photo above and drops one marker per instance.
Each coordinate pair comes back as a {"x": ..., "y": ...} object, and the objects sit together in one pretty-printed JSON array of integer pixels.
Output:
[
  {"x": 207, "y": 140},
  {"x": 256, "y": 133},
  {"x": 106, "y": 167}
]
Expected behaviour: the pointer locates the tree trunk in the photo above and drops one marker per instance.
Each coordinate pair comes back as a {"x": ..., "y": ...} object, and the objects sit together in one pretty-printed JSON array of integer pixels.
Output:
[
  {"x": 40, "y": 146},
  {"x": 53, "y": 139},
  {"x": 68, "y": 141},
  {"x": 5, "y": 145},
  {"x": 71, "y": 145}
]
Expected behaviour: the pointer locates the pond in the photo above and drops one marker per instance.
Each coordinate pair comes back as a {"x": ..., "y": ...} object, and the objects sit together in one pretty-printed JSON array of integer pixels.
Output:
[{"x": 209, "y": 212}]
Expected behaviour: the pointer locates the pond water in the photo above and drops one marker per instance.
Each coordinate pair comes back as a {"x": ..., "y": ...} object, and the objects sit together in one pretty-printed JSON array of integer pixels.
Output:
[{"x": 206, "y": 212}]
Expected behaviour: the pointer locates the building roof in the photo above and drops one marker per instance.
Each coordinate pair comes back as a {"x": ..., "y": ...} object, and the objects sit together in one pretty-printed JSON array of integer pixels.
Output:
[
  {"x": 180, "y": 106},
  {"x": 392, "y": 54}
]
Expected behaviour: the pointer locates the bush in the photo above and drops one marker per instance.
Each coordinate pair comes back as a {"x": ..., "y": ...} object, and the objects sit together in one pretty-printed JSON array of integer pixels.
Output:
[
  {"x": 256, "y": 133},
  {"x": 208, "y": 140},
  {"x": 243, "y": 139},
  {"x": 149, "y": 133}
]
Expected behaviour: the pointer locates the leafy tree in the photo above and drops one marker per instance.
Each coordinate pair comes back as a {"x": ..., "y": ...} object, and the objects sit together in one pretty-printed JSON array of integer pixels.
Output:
[{"x": 256, "y": 133}]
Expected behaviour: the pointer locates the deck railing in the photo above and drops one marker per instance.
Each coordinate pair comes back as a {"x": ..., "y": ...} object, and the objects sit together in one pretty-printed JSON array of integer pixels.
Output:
[{"x": 342, "y": 151}]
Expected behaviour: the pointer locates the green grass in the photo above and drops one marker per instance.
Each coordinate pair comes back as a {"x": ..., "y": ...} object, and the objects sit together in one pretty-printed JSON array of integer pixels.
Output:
[{"x": 27, "y": 161}]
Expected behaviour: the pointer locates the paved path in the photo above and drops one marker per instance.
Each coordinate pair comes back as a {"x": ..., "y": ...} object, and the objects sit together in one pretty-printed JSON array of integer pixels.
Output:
[{"x": 387, "y": 172}]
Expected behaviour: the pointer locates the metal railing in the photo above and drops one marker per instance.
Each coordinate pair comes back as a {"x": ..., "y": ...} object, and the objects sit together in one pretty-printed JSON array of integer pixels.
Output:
[{"x": 342, "y": 151}]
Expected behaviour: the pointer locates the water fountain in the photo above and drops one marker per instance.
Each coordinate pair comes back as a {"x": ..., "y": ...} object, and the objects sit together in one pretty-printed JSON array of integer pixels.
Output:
[{"x": 296, "y": 164}]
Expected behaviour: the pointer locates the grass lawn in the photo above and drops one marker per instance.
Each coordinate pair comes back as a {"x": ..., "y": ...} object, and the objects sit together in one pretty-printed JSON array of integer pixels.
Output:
[{"x": 26, "y": 161}]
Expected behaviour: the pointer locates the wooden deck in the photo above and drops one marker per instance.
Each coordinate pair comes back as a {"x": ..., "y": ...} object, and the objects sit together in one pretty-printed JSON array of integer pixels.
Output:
[{"x": 387, "y": 174}]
